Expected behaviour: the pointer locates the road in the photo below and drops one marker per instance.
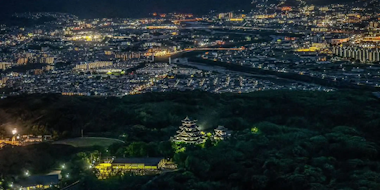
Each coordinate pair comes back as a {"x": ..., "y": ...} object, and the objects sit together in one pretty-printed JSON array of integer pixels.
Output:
[{"x": 229, "y": 27}]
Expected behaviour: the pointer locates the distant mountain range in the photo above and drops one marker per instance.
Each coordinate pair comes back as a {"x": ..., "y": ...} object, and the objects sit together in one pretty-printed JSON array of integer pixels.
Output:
[{"x": 128, "y": 8}]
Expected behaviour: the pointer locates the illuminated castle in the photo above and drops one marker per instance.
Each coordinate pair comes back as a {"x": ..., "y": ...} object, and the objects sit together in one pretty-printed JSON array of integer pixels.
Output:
[
  {"x": 221, "y": 133},
  {"x": 189, "y": 133}
]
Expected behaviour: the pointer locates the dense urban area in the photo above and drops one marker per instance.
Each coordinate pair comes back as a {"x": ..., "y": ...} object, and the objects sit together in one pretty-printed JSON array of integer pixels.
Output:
[{"x": 282, "y": 96}]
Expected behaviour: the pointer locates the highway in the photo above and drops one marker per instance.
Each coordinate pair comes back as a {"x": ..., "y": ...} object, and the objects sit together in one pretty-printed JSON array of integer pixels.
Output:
[
  {"x": 228, "y": 27},
  {"x": 211, "y": 27},
  {"x": 202, "y": 49}
]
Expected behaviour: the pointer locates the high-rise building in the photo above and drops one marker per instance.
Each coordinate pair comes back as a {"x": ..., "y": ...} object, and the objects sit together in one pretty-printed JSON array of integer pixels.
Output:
[
  {"x": 22, "y": 61},
  {"x": 93, "y": 65},
  {"x": 230, "y": 15},
  {"x": 221, "y": 15},
  {"x": 363, "y": 55},
  {"x": 47, "y": 60},
  {"x": 5, "y": 65},
  {"x": 3, "y": 81},
  {"x": 128, "y": 55},
  {"x": 373, "y": 25}
]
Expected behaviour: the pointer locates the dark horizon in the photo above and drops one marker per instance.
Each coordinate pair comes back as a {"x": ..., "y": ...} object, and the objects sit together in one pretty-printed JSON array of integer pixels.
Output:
[
  {"x": 118, "y": 8},
  {"x": 129, "y": 8}
]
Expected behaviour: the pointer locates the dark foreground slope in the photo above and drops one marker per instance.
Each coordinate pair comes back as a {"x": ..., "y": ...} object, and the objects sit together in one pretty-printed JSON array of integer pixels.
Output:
[{"x": 284, "y": 140}]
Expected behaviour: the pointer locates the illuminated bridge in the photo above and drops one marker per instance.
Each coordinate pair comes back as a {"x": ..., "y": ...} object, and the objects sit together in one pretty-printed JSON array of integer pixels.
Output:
[
  {"x": 187, "y": 20},
  {"x": 217, "y": 49}
]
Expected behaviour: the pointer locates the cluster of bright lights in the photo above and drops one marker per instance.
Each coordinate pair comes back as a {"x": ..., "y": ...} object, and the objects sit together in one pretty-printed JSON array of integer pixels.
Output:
[
  {"x": 14, "y": 131},
  {"x": 255, "y": 130},
  {"x": 161, "y": 53},
  {"x": 87, "y": 38}
]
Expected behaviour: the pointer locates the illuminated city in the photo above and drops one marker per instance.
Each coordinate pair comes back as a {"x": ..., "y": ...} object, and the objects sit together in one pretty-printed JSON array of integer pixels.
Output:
[{"x": 188, "y": 95}]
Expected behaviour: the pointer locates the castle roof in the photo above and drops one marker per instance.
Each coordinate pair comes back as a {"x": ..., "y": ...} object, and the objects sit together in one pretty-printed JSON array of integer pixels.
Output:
[
  {"x": 221, "y": 128},
  {"x": 39, "y": 180},
  {"x": 187, "y": 119}
]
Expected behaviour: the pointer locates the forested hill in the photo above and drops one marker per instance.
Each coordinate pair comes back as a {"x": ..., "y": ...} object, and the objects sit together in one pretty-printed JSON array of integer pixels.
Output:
[
  {"x": 130, "y": 8},
  {"x": 161, "y": 113},
  {"x": 288, "y": 140}
]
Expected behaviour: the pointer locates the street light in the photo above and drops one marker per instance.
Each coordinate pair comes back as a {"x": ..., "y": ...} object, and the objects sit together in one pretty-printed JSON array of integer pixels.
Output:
[
  {"x": 27, "y": 174},
  {"x": 14, "y": 131},
  {"x": 63, "y": 166}
]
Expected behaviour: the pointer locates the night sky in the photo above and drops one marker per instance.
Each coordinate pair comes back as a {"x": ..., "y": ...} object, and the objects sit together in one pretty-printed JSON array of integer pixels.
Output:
[{"x": 127, "y": 8}]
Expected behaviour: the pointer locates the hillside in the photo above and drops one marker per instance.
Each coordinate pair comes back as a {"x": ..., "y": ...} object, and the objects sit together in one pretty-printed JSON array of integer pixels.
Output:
[
  {"x": 66, "y": 115},
  {"x": 286, "y": 140}
]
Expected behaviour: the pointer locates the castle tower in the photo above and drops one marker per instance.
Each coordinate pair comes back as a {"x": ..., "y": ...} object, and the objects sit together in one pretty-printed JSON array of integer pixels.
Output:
[
  {"x": 221, "y": 133},
  {"x": 189, "y": 133}
]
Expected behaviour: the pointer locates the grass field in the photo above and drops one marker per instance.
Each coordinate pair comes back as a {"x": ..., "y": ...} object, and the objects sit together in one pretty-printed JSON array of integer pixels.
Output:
[{"x": 89, "y": 141}]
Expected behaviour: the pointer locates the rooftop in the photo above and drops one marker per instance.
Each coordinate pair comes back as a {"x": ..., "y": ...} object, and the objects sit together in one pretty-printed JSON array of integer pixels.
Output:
[
  {"x": 153, "y": 161},
  {"x": 39, "y": 180}
]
